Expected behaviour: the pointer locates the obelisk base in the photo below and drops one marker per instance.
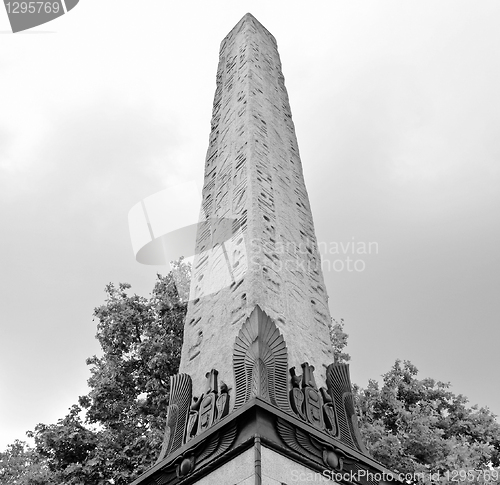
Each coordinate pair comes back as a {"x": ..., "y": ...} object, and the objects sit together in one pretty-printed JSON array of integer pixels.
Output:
[
  {"x": 274, "y": 469},
  {"x": 259, "y": 444}
]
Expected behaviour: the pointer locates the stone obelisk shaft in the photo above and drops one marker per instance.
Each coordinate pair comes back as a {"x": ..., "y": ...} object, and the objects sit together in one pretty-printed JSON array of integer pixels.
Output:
[{"x": 254, "y": 181}]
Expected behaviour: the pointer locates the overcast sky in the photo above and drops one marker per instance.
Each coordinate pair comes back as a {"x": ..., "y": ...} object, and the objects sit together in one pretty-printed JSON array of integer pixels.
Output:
[{"x": 397, "y": 112}]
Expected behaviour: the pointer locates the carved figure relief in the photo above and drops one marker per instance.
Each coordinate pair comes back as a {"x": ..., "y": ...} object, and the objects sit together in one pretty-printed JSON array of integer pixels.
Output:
[
  {"x": 192, "y": 424},
  {"x": 206, "y": 413},
  {"x": 188, "y": 417},
  {"x": 209, "y": 408},
  {"x": 222, "y": 403},
  {"x": 313, "y": 402},
  {"x": 329, "y": 413},
  {"x": 310, "y": 404},
  {"x": 296, "y": 395}
]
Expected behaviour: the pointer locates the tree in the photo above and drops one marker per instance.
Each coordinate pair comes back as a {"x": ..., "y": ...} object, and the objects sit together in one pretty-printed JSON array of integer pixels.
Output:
[
  {"x": 21, "y": 465},
  {"x": 141, "y": 342},
  {"x": 338, "y": 338},
  {"x": 417, "y": 426},
  {"x": 127, "y": 404},
  {"x": 68, "y": 450}
]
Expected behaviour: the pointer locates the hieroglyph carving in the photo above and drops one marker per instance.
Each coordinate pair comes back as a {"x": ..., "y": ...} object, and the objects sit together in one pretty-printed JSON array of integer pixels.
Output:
[
  {"x": 310, "y": 404},
  {"x": 188, "y": 417},
  {"x": 211, "y": 407}
]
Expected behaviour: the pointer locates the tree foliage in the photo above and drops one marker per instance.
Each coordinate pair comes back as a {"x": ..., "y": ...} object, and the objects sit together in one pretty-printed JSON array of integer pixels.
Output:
[
  {"x": 420, "y": 427},
  {"x": 141, "y": 342},
  {"x": 338, "y": 339},
  {"x": 20, "y": 464}
]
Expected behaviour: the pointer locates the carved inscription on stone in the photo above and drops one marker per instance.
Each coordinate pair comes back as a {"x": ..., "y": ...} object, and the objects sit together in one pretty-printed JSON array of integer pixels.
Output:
[
  {"x": 311, "y": 404},
  {"x": 209, "y": 408},
  {"x": 189, "y": 417}
]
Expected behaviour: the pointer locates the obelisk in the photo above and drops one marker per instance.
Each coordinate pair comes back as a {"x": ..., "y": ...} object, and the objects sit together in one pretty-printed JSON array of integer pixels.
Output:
[
  {"x": 253, "y": 176},
  {"x": 259, "y": 399}
]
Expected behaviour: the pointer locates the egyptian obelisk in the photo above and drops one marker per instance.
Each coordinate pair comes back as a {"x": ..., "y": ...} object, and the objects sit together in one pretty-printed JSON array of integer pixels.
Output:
[
  {"x": 258, "y": 399},
  {"x": 253, "y": 175}
]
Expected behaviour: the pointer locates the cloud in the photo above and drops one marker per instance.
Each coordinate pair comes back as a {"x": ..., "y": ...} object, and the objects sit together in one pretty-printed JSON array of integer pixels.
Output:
[{"x": 95, "y": 157}]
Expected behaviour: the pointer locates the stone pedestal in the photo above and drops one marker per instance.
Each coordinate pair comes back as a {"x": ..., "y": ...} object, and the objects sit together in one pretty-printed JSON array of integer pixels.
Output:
[
  {"x": 275, "y": 469},
  {"x": 282, "y": 429}
]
